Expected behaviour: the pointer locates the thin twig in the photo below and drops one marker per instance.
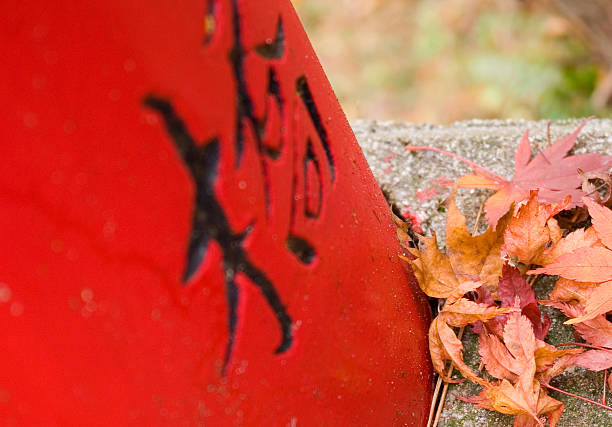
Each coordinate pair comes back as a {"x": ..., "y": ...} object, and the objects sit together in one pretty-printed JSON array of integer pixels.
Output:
[
  {"x": 582, "y": 344},
  {"x": 445, "y": 388},
  {"x": 434, "y": 400},
  {"x": 576, "y": 396},
  {"x": 477, "y": 219},
  {"x": 603, "y": 398}
]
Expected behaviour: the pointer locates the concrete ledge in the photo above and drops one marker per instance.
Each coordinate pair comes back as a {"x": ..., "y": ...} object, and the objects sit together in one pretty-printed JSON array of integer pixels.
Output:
[{"x": 409, "y": 180}]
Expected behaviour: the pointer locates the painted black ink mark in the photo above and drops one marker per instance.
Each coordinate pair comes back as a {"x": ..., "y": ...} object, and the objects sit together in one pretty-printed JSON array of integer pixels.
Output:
[
  {"x": 274, "y": 49},
  {"x": 312, "y": 207},
  {"x": 303, "y": 90},
  {"x": 202, "y": 160},
  {"x": 210, "y": 223},
  {"x": 301, "y": 248}
]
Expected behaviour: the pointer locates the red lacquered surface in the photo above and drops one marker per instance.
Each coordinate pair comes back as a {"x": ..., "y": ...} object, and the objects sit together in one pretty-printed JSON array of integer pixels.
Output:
[{"x": 251, "y": 278}]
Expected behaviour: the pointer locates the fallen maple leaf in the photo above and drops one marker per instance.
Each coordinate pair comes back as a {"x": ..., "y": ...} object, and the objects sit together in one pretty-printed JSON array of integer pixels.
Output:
[
  {"x": 514, "y": 363},
  {"x": 464, "y": 312},
  {"x": 594, "y": 360},
  {"x": 528, "y": 231},
  {"x": 586, "y": 264},
  {"x": 469, "y": 261},
  {"x": 473, "y": 256},
  {"x": 589, "y": 264},
  {"x": 546, "y": 355},
  {"x": 551, "y": 172},
  {"x": 580, "y": 238},
  {"x": 443, "y": 342},
  {"x": 513, "y": 287},
  {"x": 571, "y": 291},
  {"x": 434, "y": 272},
  {"x": 475, "y": 277},
  {"x": 496, "y": 358},
  {"x": 596, "y": 331}
]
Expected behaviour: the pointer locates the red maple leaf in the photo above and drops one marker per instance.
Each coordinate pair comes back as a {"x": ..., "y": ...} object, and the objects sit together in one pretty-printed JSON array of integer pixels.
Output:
[{"x": 552, "y": 172}]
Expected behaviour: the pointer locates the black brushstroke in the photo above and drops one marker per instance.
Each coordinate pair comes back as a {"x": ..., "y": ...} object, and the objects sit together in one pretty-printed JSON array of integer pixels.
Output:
[
  {"x": 274, "y": 90},
  {"x": 301, "y": 248},
  {"x": 311, "y": 158},
  {"x": 244, "y": 104},
  {"x": 210, "y": 223},
  {"x": 276, "y": 48},
  {"x": 305, "y": 94}
]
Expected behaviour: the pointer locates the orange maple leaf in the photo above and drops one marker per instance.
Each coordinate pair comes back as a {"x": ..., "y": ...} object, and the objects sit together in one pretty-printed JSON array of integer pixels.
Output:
[
  {"x": 596, "y": 331},
  {"x": 443, "y": 342},
  {"x": 589, "y": 264},
  {"x": 469, "y": 261},
  {"x": 552, "y": 172},
  {"x": 529, "y": 229},
  {"x": 514, "y": 363}
]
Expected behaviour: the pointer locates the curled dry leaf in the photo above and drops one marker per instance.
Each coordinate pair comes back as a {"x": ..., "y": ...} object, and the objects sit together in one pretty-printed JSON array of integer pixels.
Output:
[
  {"x": 496, "y": 358},
  {"x": 433, "y": 269},
  {"x": 589, "y": 264},
  {"x": 443, "y": 342},
  {"x": 444, "y": 345},
  {"x": 596, "y": 184},
  {"x": 546, "y": 355},
  {"x": 515, "y": 363},
  {"x": 473, "y": 256},
  {"x": 527, "y": 231},
  {"x": 469, "y": 261},
  {"x": 599, "y": 302}
]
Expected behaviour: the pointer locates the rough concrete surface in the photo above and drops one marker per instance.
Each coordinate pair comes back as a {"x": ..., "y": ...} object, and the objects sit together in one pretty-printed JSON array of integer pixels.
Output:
[{"x": 410, "y": 181}]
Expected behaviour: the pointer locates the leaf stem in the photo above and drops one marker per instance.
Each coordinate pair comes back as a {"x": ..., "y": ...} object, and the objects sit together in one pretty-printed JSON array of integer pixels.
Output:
[
  {"x": 474, "y": 166},
  {"x": 576, "y": 396},
  {"x": 581, "y": 344}
]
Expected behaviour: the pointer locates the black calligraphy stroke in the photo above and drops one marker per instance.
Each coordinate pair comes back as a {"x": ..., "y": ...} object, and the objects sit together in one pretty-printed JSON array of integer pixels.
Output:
[
  {"x": 209, "y": 220},
  {"x": 210, "y": 223}
]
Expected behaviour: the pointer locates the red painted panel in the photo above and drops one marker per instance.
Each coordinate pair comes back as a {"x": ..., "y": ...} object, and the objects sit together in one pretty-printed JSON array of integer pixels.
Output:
[{"x": 188, "y": 229}]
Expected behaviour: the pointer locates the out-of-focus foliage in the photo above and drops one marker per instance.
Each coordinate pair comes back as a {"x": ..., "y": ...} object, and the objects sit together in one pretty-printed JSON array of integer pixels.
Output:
[{"x": 445, "y": 60}]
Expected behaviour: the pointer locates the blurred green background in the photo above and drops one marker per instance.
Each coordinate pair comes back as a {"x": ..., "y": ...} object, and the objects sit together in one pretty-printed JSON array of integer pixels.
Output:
[{"x": 439, "y": 61}]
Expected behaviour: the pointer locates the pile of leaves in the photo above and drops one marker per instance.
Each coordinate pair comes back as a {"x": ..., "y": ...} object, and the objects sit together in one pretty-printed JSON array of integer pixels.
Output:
[{"x": 550, "y": 219}]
